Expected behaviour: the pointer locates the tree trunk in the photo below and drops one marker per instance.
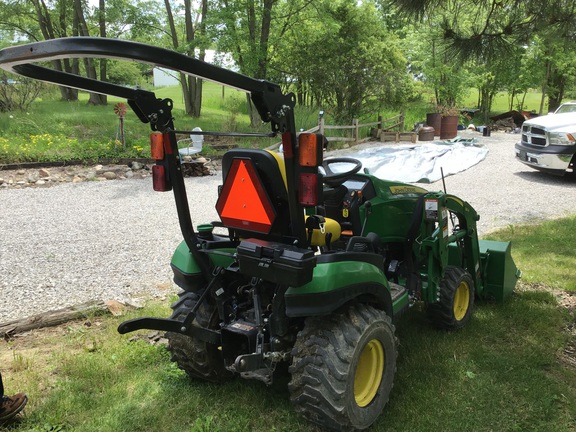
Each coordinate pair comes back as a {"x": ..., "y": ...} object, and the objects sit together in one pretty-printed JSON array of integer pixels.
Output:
[
  {"x": 95, "y": 98},
  {"x": 545, "y": 87},
  {"x": 47, "y": 29},
  {"x": 264, "y": 36},
  {"x": 255, "y": 119},
  {"x": 103, "y": 61},
  {"x": 556, "y": 90},
  {"x": 197, "y": 82}
]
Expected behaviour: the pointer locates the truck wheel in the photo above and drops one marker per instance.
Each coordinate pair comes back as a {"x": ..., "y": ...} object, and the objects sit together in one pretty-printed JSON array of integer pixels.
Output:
[
  {"x": 454, "y": 308},
  {"x": 343, "y": 368},
  {"x": 197, "y": 358}
]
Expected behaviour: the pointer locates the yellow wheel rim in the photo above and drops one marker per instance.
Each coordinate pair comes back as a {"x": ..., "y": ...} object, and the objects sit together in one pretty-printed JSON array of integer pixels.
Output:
[
  {"x": 461, "y": 301},
  {"x": 369, "y": 372}
]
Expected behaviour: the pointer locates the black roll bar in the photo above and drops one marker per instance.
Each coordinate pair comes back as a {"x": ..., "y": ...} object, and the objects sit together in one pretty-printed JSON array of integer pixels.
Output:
[
  {"x": 267, "y": 97},
  {"x": 273, "y": 106}
]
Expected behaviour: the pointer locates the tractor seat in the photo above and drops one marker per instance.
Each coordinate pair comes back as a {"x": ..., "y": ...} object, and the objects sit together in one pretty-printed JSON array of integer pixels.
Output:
[
  {"x": 265, "y": 171},
  {"x": 253, "y": 200}
]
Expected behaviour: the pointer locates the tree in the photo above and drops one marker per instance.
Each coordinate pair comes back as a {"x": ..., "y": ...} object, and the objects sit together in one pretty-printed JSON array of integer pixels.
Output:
[
  {"x": 429, "y": 62},
  {"x": 17, "y": 93},
  {"x": 348, "y": 60},
  {"x": 32, "y": 20},
  {"x": 81, "y": 29},
  {"x": 500, "y": 27},
  {"x": 194, "y": 32},
  {"x": 51, "y": 30},
  {"x": 252, "y": 31}
]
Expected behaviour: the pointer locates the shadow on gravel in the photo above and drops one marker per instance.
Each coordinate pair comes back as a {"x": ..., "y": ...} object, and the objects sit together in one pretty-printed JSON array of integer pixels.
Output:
[{"x": 544, "y": 178}]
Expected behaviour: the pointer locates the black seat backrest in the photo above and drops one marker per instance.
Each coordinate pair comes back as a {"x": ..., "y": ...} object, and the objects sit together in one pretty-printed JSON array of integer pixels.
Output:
[{"x": 270, "y": 176}]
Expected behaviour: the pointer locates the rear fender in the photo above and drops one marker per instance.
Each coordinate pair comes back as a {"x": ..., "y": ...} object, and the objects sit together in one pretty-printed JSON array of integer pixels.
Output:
[
  {"x": 339, "y": 278},
  {"x": 188, "y": 272}
]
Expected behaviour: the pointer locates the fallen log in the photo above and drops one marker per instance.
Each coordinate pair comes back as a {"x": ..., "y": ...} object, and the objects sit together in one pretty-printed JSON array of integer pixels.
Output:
[{"x": 53, "y": 318}]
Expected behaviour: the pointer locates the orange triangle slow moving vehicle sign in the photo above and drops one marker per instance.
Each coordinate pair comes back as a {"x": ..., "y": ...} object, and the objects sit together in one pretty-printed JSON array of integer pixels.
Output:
[{"x": 243, "y": 202}]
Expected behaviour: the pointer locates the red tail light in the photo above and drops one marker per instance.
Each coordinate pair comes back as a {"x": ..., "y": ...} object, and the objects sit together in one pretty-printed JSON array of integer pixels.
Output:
[
  {"x": 310, "y": 149},
  {"x": 160, "y": 181},
  {"x": 157, "y": 145},
  {"x": 308, "y": 189}
]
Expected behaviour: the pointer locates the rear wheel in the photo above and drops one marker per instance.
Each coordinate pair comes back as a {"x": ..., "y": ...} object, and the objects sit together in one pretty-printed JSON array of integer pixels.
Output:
[
  {"x": 197, "y": 358},
  {"x": 454, "y": 308},
  {"x": 343, "y": 368}
]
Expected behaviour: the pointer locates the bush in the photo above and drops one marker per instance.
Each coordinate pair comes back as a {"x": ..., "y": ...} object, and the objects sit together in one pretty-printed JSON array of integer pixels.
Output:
[{"x": 17, "y": 94}]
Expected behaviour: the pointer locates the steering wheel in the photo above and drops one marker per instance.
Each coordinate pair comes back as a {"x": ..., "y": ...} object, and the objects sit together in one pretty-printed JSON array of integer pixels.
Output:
[{"x": 336, "y": 178}]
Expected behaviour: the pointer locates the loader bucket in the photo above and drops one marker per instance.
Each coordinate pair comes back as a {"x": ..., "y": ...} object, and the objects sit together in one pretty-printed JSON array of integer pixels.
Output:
[{"x": 499, "y": 272}]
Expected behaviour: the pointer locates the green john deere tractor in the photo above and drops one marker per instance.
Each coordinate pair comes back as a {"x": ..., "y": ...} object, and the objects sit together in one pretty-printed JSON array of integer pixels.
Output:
[{"x": 312, "y": 261}]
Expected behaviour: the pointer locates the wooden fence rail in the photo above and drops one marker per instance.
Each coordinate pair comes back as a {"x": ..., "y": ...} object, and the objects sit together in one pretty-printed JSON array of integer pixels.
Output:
[{"x": 383, "y": 129}]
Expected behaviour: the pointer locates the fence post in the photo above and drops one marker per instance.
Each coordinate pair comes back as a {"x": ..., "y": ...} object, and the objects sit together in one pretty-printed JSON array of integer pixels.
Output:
[
  {"x": 356, "y": 131},
  {"x": 379, "y": 130},
  {"x": 321, "y": 125},
  {"x": 401, "y": 121}
]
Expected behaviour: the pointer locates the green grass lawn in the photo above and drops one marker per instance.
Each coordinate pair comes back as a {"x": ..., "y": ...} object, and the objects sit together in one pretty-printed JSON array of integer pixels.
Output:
[
  {"x": 511, "y": 369},
  {"x": 501, "y": 102}
]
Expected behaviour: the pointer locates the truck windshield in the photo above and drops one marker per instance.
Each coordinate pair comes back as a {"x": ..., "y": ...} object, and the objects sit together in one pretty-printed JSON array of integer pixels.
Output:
[{"x": 566, "y": 108}]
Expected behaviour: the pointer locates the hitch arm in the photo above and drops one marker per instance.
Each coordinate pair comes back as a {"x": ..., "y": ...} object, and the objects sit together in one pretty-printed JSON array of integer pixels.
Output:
[{"x": 169, "y": 325}]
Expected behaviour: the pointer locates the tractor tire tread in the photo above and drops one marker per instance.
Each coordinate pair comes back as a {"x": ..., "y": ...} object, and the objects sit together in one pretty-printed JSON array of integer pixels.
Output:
[
  {"x": 198, "y": 359},
  {"x": 441, "y": 313},
  {"x": 320, "y": 382}
]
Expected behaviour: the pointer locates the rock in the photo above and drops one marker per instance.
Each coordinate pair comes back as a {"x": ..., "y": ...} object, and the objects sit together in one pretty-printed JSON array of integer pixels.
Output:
[
  {"x": 131, "y": 302},
  {"x": 76, "y": 179},
  {"x": 98, "y": 167},
  {"x": 136, "y": 165},
  {"x": 41, "y": 182},
  {"x": 42, "y": 172},
  {"x": 90, "y": 175},
  {"x": 115, "y": 307},
  {"x": 109, "y": 175},
  {"x": 1, "y": 180},
  {"x": 21, "y": 172},
  {"x": 129, "y": 174},
  {"x": 32, "y": 177}
]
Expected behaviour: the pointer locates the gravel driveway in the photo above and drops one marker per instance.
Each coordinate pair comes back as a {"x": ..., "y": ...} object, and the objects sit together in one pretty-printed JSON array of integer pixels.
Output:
[{"x": 75, "y": 242}]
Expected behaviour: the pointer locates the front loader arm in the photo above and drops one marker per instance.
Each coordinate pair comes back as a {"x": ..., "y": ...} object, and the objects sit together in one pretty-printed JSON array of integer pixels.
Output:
[{"x": 436, "y": 238}]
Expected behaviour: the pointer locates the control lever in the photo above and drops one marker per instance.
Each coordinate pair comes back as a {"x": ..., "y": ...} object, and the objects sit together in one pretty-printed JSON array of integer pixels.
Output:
[{"x": 367, "y": 212}]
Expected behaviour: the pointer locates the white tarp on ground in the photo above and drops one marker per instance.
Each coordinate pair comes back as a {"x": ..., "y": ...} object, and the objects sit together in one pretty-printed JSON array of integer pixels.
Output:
[{"x": 420, "y": 163}]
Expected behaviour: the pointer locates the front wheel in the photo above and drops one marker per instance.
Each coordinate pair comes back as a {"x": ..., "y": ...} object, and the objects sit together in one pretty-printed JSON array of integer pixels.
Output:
[
  {"x": 454, "y": 308},
  {"x": 343, "y": 368}
]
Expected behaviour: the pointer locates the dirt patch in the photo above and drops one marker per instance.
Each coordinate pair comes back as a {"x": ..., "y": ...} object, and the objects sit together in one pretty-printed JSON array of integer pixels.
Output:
[
  {"x": 567, "y": 300},
  {"x": 567, "y": 356},
  {"x": 36, "y": 346}
]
